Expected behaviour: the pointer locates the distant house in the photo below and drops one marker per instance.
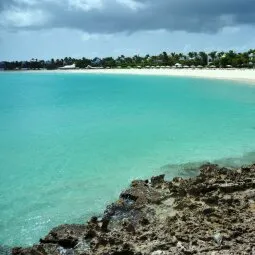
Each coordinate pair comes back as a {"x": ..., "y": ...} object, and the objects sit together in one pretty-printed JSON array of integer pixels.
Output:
[
  {"x": 67, "y": 67},
  {"x": 92, "y": 67},
  {"x": 178, "y": 65}
]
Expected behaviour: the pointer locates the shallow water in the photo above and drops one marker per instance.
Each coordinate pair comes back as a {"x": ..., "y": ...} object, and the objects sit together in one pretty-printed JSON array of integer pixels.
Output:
[{"x": 69, "y": 143}]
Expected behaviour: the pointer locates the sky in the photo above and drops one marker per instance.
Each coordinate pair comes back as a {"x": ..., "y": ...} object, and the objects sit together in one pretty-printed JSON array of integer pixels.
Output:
[{"x": 46, "y": 29}]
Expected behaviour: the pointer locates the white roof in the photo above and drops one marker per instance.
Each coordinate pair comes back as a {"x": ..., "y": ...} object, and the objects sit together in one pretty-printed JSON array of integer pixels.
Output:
[{"x": 68, "y": 67}]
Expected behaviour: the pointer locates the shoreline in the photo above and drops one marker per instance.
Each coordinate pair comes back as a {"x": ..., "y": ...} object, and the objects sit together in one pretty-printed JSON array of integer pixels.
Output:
[
  {"x": 245, "y": 75},
  {"x": 212, "y": 213}
]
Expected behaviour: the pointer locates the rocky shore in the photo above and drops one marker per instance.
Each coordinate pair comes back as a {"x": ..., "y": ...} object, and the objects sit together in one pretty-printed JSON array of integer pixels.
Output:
[{"x": 213, "y": 213}]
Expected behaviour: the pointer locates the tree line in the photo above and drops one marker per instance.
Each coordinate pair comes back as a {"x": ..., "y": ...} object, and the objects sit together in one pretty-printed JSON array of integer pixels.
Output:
[{"x": 214, "y": 58}]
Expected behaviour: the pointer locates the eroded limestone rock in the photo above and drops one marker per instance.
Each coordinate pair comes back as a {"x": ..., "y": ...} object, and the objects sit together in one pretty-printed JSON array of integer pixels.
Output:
[{"x": 213, "y": 213}]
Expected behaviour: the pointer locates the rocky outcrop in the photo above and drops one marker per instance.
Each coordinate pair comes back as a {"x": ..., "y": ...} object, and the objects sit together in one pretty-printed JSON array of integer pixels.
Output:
[{"x": 213, "y": 213}]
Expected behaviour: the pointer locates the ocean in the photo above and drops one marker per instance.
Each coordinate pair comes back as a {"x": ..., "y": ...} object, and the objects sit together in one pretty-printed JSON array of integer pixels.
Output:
[{"x": 69, "y": 143}]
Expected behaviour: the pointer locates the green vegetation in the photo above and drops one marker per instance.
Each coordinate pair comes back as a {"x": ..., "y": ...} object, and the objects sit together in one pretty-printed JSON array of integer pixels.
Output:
[{"x": 213, "y": 59}]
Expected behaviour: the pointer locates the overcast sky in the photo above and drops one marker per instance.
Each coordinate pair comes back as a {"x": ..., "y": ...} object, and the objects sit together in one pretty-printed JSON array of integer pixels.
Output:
[{"x": 87, "y": 28}]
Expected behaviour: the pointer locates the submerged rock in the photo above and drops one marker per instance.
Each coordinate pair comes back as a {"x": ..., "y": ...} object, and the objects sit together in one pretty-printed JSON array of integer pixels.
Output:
[
  {"x": 4, "y": 250},
  {"x": 213, "y": 213}
]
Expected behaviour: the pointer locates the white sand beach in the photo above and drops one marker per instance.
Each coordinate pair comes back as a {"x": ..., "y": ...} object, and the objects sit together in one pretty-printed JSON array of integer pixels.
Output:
[
  {"x": 247, "y": 75},
  {"x": 244, "y": 75}
]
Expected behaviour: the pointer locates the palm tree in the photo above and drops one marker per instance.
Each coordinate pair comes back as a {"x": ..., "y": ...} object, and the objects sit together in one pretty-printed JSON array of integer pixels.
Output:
[
  {"x": 203, "y": 58},
  {"x": 213, "y": 55},
  {"x": 191, "y": 55}
]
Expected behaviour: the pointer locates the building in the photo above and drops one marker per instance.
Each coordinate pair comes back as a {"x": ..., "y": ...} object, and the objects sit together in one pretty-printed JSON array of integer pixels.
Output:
[
  {"x": 68, "y": 67},
  {"x": 178, "y": 65},
  {"x": 92, "y": 67}
]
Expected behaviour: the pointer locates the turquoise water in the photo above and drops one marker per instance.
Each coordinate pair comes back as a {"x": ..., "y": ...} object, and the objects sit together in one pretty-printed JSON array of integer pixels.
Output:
[{"x": 69, "y": 143}]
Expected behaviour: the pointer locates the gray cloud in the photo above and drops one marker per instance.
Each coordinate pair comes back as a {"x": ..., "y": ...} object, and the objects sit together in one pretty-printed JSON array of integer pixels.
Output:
[{"x": 113, "y": 16}]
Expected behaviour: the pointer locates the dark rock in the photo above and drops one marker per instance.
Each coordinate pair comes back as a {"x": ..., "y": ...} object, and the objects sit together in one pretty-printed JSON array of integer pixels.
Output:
[
  {"x": 68, "y": 243},
  {"x": 124, "y": 252},
  {"x": 157, "y": 180},
  {"x": 144, "y": 221},
  {"x": 36, "y": 250},
  {"x": 90, "y": 234},
  {"x": 130, "y": 228},
  {"x": 65, "y": 235},
  {"x": 94, "y": 220},
  {"x": 208, "y": 210},
  {"x": 105, "y": 223},
  {"x": 17, "y": 251}
]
